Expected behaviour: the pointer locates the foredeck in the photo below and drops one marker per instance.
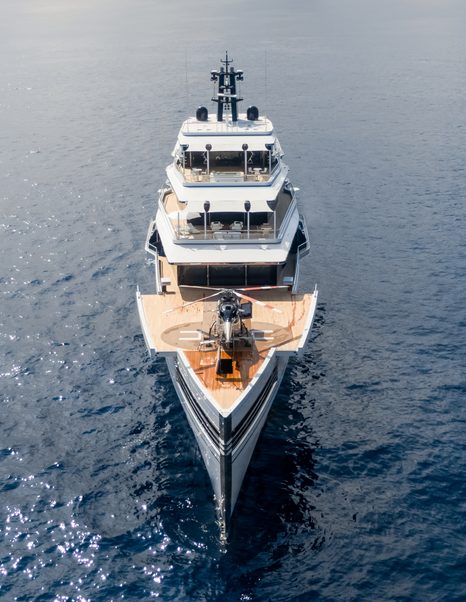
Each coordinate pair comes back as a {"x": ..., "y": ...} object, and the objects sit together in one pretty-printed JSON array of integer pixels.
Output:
[{"x": 169, "y": 329}]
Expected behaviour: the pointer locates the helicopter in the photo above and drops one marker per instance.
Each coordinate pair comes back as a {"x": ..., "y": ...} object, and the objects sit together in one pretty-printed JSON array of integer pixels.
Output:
[{"x": 228, "y": 326}]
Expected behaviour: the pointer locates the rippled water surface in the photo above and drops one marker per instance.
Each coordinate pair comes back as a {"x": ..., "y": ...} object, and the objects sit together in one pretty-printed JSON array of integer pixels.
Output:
[{"x": 357, "y": 488}]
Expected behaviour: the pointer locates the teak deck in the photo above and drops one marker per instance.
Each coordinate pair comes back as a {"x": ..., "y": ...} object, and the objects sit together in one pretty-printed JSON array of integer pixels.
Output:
[{"x": 186, "y": 327}]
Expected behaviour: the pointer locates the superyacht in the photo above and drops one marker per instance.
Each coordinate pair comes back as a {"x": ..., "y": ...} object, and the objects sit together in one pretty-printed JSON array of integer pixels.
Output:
[{"x": 227, "y": 242}]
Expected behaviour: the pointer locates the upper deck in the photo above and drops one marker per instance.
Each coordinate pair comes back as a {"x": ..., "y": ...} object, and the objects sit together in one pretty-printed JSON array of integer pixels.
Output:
[
  {"x": 228, "y": 221},
  {"x": 192, "y": 127},
  {"x": 225, "y": 152}
]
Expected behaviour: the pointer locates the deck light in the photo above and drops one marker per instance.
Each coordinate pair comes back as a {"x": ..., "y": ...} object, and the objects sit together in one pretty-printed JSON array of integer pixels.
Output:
[
  {"x": 208, "y": 148},
  {"x": 245, "y": 149},
  {"x": 247, "y": 208},
  {"x": 206, "y": 211}
]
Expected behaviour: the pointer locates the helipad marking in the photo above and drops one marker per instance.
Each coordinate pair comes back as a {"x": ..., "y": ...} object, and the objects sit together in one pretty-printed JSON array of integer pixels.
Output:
[{"x": 197, "y": 336}]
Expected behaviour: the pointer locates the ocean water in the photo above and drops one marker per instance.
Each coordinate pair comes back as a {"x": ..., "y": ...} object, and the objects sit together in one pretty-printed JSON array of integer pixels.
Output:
[{"x": 357, "y": 489}]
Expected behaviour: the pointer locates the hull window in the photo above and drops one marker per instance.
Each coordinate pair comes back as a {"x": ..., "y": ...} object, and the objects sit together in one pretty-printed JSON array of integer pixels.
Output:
[
  {"x": 228, "y": 276},
  {"x": 194, "y": 275},
  {"x": 261, "y": 275}
]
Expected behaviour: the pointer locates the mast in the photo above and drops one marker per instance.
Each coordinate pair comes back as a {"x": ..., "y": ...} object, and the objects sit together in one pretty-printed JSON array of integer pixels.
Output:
[{"x": 226, "y": 98}]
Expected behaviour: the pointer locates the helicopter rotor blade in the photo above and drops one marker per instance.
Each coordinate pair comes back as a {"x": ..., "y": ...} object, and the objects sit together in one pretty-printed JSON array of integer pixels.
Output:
[
  {"x": 210, "y": 288},
  {"x": 258, "y": 302},
  {"x": 191, "y": 303},
  {"x": 261, "y": 288}
]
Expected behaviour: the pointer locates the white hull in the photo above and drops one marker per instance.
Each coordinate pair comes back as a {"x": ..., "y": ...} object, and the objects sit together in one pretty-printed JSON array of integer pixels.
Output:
[{"x": 227, "y": 442}]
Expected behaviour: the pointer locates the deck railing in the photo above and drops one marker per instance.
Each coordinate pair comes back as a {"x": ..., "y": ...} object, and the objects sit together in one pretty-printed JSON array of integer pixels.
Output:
[
  {"x": 226, "y": 234},
  {"x": 216, "y": 176}
]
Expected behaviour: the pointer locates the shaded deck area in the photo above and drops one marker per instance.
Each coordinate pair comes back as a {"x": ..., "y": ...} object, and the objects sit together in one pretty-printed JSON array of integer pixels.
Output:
[{"x": 231, "y": 225}]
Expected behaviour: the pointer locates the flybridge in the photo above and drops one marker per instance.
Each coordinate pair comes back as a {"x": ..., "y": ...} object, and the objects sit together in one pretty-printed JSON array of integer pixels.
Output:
[{"x": 227, "y": 97}]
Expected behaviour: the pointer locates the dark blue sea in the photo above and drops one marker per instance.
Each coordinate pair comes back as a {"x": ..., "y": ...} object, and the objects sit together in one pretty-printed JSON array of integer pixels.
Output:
[{"x": 357, "y": 489}]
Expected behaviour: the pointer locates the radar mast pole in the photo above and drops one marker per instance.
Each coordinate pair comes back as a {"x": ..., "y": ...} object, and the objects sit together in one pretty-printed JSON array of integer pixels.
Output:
[{"x": 227, "y": 97}]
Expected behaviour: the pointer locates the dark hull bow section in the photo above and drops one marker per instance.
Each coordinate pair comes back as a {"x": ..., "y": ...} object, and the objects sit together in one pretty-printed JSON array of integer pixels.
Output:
[{"x": 227, "y": 442}]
